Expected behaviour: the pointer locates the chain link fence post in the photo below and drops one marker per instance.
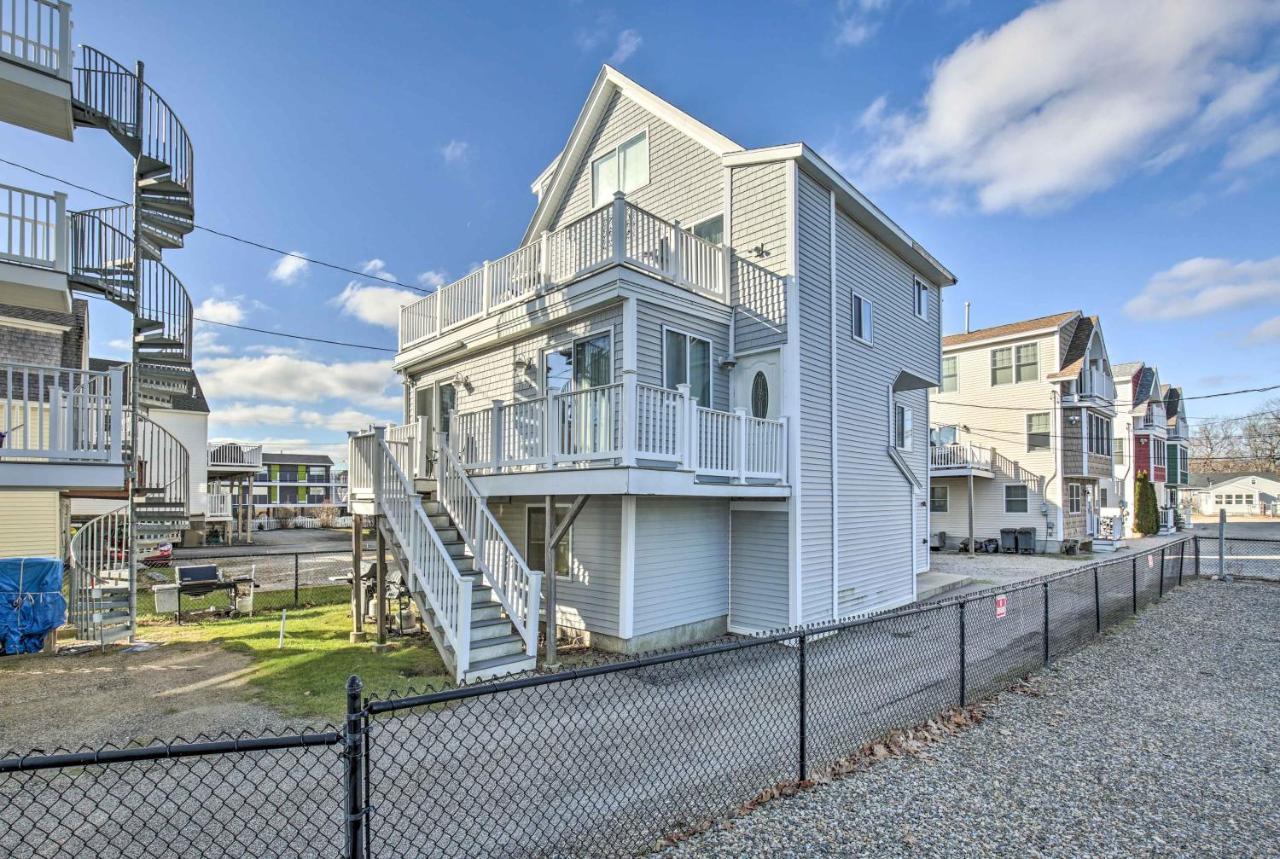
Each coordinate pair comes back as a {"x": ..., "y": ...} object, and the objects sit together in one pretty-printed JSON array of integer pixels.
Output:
[
  {"x": 1161, "y": 590},
  {"x": 804, "y": 712},
  {"x": 1046, "y": 623},
  {"x": 1135, "y": 584},
  {"x": 963, "y": 656},
  {"x": 1182, "y": 560},
  {"x": 353, "y": 753},
  {"x": 1197, "y": 553},
  {"x": 1097, "y": 604},
  {"x": 295, "y": 580}
]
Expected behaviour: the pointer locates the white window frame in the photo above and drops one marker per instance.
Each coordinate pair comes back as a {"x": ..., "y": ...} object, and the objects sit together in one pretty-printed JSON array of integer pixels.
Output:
[
  {"x": 536, "y": 563},
  {"x": 955, "y": 375},
  {"x": 616, "y": 152},
  {"x": 1048, "y": 432},
  {"x": 1025, "y": 500},
  {"x": 921, "y": 298},
  {"x": 1009, "y": 367},
  {"x": 1017, "y": 365},
  {"x": 1075, "y": 498},
  {"x": 711, "y": 364},
  {"x": 869, "y": 311},
  {"x": 903, "y": 425},
  {"x": 573, "y": 345},
  {"x": 946, "y": 498}
]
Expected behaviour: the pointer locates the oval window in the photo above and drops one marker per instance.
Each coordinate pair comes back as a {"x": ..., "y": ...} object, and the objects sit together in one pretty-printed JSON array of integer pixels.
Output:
[{"x": 760, "y": 395}]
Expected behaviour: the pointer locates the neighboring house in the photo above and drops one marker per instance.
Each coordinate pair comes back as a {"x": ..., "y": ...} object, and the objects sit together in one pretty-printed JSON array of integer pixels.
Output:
[
  {"x": 1177, "y": 455},
  {"x": 1253, "y": 493},
  {"x": 70, "y": 429},
  {"x": 715, "y": 358},
  {"x": 291, "y": 484},
  {"x": 1022, "y": 425},
  {"x": 1143, "y": 428}
]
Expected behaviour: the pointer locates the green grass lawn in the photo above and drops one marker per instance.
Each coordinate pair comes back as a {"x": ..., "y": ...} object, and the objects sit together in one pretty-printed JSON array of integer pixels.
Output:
[{"x": 306, "y": 678}]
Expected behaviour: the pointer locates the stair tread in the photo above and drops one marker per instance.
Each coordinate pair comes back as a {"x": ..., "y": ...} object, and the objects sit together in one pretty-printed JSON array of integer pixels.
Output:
[
  {"x": 499, "y": 661},
  {"x": 496, "y": 640},
  {"x": 493, "y": 621}
]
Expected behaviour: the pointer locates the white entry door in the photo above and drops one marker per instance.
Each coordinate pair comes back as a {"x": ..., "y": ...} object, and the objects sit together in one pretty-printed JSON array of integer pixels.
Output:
[{"x": 757, "y": 384}]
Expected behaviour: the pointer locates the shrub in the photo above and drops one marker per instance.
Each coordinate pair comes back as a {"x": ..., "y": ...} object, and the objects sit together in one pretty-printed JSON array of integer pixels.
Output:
[{"x": 1147, "y": 521}]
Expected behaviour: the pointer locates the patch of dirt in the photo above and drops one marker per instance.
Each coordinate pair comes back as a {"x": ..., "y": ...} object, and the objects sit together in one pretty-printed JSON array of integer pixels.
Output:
[{"x": 91, "y": 699}]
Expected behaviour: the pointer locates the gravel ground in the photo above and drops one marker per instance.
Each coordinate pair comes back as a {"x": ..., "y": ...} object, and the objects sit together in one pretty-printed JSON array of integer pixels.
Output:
[{"x": 1157, "y": 740}]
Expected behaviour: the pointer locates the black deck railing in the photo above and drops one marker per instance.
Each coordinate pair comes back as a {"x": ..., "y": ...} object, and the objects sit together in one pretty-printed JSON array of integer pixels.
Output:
[{"x": 601, "y": 759}]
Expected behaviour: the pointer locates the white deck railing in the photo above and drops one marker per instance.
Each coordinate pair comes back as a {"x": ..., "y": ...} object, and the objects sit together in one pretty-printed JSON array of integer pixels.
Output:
[
  {"x": 230, "y": 454},
  {"x": 1095, "y": 383},
  {"x": 218, "y": 505},
  {"x": 37, "y": 33},
  {"x": 628, "y": 423},
  {"x": 61, "y": 414},
  {"x": 33, "y": 227},
  {"x": 516, "y": 586},
  {"x": 618, "y": 234},
  {"x": 946, "y": 456}
]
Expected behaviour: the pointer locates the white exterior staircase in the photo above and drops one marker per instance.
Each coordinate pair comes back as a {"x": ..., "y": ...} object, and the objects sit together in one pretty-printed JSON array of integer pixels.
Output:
[
  {"x": 116, "y": 253},
  {"x": 478, "y": 598}
]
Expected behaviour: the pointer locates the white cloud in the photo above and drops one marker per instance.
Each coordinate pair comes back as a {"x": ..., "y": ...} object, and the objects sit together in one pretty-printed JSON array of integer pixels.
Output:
[
  {"x": 629, "y": 41},
  {"x": 268, "y": 414},
  {"x": 244, "y": 414},
  {"x": 1204, "y": 285},
  {"x": 377, "y": 305},
  {"x": 290, "y": 379},
  {"x": 206, "y": 342},
  {"x": 455, "y": 151},
  {"x": 226, "y": 310},
  {"x": 1067, "y": 97},
  {"x": 290, "y": 268},
  {"x": 855, "y": 21},
  {"x": 377, "y": 268},
  {"x": 1253, "y": 145},
  {"x": 433, "y": 279},
  {"x": 1266, "y": 331}
]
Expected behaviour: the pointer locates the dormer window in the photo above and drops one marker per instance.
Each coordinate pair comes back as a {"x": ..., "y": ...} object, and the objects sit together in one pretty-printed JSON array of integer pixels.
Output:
[{"x": 624, "y": 169}]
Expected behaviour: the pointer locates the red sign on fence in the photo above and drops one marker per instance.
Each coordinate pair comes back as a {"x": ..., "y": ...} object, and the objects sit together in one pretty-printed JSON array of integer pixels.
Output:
[{"x": 1002, "y": 605}]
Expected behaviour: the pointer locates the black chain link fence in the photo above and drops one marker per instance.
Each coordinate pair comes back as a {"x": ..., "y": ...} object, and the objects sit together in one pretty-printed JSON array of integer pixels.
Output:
[
  {"x": 292, "y": 580},
  {"x": 603, "y": 759}
]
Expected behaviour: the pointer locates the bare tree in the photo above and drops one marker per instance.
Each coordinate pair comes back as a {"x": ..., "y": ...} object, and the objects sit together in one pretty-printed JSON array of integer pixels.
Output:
[{"x": 1250, "y": 443}]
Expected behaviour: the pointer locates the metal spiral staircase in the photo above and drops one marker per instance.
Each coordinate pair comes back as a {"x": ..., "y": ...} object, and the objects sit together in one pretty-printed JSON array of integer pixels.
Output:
[{"x": 117, "y": 255}]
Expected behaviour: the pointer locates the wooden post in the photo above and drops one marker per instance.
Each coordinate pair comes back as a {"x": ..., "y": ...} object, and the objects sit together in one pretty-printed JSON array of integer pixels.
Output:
[
  {"x": 248, "y": 512},
  {"x": 357, "y": 582},
  {"x": 380, "y": 597},
  {"x": 549, "y": 576}
]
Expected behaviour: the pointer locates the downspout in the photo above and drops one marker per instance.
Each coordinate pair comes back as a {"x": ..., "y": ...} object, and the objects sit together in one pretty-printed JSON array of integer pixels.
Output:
[{"x": 1055, "y": 427}]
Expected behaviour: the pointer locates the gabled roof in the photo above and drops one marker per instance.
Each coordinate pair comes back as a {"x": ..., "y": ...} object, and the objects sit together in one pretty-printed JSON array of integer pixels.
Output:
[
  {"x": 1147, "y": 387},
  {"x": 1026, "y": 326},
  {"x": 608, "y": 82},
  {"x": 1204, "y": 481},
  {"x": 1126, "y": 369},
  {"x": 1073, "y": 358}
]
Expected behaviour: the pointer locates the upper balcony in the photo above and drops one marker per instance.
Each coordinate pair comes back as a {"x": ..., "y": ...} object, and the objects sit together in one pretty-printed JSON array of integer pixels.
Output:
[
  {"x": 34, "y": 249},
  {"x": 61, "y": 427},
  {"x": 35, "y": 66},
  {"x": 617, "y": 234},
  {"x": 1092, "y": 386},
  {"x": 230, "y": 457},
  {"x": 1152, "y": 420},
  {"x": 960, "y": 460}
]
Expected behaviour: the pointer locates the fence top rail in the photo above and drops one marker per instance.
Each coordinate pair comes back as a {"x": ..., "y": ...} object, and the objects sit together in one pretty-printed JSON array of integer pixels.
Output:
[
  {"x": 389, "y": 705},
  {"x": 29, "y": 763},
  {"x": 1214, "y": 538}
]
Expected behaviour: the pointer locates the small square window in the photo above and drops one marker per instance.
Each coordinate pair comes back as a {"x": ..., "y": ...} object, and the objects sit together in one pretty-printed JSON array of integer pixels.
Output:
[
  {"x": 1015, "y": 498},
  {"x": 938, "y": 499},
  {"x": 862, "y": 318}
]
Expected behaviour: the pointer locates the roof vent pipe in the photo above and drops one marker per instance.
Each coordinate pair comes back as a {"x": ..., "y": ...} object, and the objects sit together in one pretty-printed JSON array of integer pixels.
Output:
[{"x": 966, "y": 317}]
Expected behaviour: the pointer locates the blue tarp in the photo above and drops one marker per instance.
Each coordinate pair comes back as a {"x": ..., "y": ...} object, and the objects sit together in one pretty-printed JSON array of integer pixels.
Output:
[{"x": 31, "y": 602}]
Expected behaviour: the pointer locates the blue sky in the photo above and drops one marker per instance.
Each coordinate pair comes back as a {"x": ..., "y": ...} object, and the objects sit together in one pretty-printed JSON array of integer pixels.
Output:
[{"x": 1055, "y": 156}]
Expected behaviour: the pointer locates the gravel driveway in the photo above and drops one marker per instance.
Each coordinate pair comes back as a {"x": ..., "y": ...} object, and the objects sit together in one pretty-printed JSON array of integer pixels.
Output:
[{"x": 1157, "y": 740}]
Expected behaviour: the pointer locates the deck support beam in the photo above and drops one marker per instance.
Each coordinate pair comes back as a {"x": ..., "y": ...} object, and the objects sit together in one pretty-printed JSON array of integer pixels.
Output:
[{"x": 357, "y": 583}]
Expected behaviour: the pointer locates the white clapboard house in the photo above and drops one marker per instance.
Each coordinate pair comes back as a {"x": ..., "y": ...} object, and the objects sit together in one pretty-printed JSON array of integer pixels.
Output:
[{"x": 714, "y": 359}]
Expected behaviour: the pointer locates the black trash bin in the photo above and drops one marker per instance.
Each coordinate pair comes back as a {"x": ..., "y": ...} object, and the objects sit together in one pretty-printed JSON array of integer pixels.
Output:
[
  {"x": 1027, "y": 541},
  {"x": 1009, "y": 540}
]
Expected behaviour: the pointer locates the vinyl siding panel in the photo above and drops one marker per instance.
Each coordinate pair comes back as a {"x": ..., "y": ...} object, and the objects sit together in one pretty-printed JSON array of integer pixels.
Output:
[
  {"x": 813, "y": 234},
  {"x": 588, "y": 599},
  {"x": 874, "y": 521},
  {"x": 650, "y": 320},
  {"x": 759, "y": 202},
  {"x": 31, "y": 524},
  {"x": 685, "y": 179},
  {"x": 758, "y": 581},
  {"x": 682, "y": 562},
  {"x": 988, "y": 508}
]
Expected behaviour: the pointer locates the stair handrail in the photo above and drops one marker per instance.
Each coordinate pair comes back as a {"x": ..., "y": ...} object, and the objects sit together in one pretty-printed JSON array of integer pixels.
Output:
[
  {"x": 517, "y": 587},
  {"x": 91, "y": 553},
  {"x": 431, "y": 570},
  {"x": 167, "y": 452}
]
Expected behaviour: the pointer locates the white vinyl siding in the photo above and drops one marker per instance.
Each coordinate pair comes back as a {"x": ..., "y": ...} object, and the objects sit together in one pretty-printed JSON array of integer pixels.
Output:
[
  {"x": 759, "y": 222},
  {"x": 651, "y": 318},
  {"x": 31, "y": 524},
  {"x": 758, "y": 589},
  {"x": 681, "y": 563}
]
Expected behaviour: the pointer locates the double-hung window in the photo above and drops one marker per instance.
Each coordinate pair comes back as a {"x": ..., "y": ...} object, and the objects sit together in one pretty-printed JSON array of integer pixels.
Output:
[
  {"x": 1074, "y": 504},
  {"x": 949, "y": 381},
  {"x": 862, "y": 318},
  {"x": 624, "y": 169},
  {"x": 1038, "y": 431},
  {"x": 1028, "y": 362},
  {"x": 922, "y": 299},
  {"x": 902, "y": 428},
  {"x": 938, "y": 499},
  {"x": 687, "y": 359},
  {"x": 1002, "y": 366},
  {"x": 1015, "y": 498}
]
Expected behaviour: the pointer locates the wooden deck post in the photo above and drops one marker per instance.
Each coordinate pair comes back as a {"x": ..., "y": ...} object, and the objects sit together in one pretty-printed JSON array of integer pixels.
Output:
[
  {"x": 357, "y": 583},
  {"x": 972, "y": 550},
  {"x": 380, "y": 598}
]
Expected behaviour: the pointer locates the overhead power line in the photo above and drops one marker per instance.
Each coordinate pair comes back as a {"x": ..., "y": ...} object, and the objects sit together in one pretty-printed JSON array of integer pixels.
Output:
[{"x": 222, "y": 234}]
